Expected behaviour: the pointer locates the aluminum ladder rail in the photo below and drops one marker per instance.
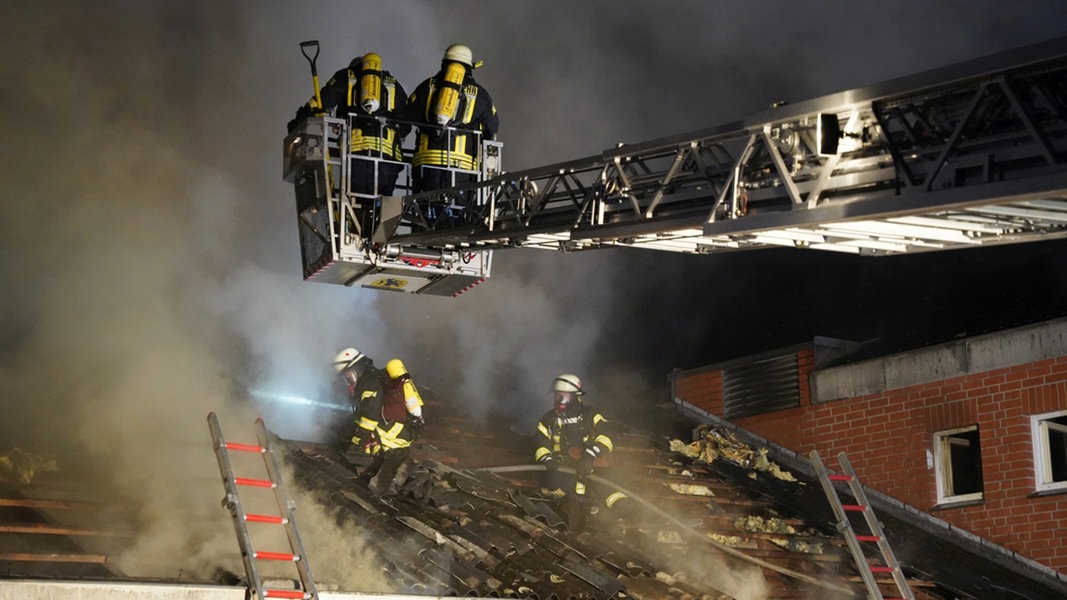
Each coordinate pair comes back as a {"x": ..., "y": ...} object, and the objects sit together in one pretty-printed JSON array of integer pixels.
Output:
[
  {"x": 867, "y": 570},
  {"x": 964, "y": 155},
  {"x": 286, "y": 518}
]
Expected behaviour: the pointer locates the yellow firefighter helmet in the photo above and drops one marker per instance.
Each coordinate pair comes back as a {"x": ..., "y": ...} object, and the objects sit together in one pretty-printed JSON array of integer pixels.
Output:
[{"x": 395, "y": 368}]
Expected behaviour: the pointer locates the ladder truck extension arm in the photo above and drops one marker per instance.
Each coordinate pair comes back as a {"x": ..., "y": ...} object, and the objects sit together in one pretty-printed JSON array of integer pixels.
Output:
[{"x": 963, "y": 156}]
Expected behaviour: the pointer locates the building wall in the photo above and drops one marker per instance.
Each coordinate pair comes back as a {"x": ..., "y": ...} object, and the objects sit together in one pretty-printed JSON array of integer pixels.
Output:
[{"x": 888, "y": 437}]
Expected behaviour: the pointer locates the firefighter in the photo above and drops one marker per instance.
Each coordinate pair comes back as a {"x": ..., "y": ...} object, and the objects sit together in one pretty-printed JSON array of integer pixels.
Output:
[
  {"x": 401, "y": 390},
  {"x": 574, "y": 434},
  {"x": 376, "y": 102},
  {"x": 450, "y": 99},
  {"x": 390, "y": 419},
  {"x": 356, "y": 371}
]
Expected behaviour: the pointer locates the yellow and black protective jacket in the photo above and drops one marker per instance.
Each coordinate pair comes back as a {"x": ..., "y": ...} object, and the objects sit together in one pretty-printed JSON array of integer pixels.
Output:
[
  {"x": 382, "y": 413},
  {"x": 369, "y": 135},
  {"x": 475, "y": 112},
  {"x": 567, "y": 436}
]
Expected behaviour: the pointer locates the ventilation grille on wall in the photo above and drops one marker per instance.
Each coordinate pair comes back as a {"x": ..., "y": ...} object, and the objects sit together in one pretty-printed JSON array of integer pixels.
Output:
[{"x": 760, "y": 387}]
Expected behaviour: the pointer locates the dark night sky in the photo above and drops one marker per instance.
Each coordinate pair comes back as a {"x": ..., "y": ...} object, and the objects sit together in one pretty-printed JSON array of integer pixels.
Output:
[
  {"x": 778, "y": 298},
  {"x": 151, "y": 267}
]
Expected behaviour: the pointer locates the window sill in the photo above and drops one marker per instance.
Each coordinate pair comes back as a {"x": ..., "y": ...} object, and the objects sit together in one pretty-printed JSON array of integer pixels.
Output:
[
  {"x": 957, "y": 504},
  {"x": 1043, "y": 493}
]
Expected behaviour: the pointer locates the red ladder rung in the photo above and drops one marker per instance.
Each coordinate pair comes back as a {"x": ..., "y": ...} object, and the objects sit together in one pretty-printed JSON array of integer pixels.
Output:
[
  {"x": 854, "y": 507},
  {"x": 263, "y": 483},
  {"x": 267, "y": 519},
  {"x": 245, "y": 447},
  {"x": 276, "y": 556},
  {"x": 869, "y": 538},
  {"x": 840, "y": 478},
  {"x": 296, "y": 594},
  {"x": 882, "y": 569}
]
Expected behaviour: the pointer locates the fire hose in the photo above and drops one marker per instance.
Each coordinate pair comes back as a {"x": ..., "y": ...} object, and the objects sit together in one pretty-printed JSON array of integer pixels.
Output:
[{"x": 688, "y": 529}]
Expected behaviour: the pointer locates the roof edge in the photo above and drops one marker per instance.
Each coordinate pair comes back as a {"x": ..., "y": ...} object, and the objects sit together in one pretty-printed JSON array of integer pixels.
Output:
[
  {"x": 32, "y": 589},
  {"x": 1012, "y": 561}
]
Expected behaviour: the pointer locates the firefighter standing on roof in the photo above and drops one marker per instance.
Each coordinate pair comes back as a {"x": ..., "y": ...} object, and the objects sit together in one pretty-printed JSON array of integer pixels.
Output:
[
  {"x": 388, "y": 420},
  {"x": 575, "y": 435},
  {"x": 451, "y": 98},
  {"x": 359, "y": 376},
  {"x": 374, "y": 100}
]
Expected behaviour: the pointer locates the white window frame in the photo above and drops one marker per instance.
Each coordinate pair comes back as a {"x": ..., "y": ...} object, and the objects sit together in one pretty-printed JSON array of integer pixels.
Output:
[
  {"x": 943, "y": 467},
  {"x": 1039, "y": 429}
]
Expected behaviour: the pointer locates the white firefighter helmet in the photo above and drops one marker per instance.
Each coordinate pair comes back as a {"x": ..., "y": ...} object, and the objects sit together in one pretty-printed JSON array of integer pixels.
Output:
[
  {"x": 566, "y": 391},
  {"x": 567, "y": 383},
  {"x": 395, "y": 368},
  {"x": 461, "y": 54},
  {"x": 346, "y": 358}
]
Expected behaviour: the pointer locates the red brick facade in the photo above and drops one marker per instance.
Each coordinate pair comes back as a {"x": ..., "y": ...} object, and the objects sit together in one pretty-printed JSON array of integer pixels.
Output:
[{"x": 888, "y": 436}]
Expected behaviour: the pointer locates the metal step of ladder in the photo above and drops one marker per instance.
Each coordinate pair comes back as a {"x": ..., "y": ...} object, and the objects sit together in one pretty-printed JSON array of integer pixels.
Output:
[
  {"x": 889, "y": 564},
  {"x": 285, "y": 518}
]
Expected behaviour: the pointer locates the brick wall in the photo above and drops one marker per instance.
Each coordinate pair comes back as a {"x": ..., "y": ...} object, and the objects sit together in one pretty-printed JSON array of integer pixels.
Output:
[
  {"x": 888, "y": 438},
  {"x": 703, "y": 390}
]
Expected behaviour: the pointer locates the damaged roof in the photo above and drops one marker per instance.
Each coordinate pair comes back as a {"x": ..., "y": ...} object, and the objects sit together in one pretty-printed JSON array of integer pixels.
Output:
[
  {"x": 723, "y": 514},
  {"x": 719, "y": 518},
  {"x": 49, "y": 528}
]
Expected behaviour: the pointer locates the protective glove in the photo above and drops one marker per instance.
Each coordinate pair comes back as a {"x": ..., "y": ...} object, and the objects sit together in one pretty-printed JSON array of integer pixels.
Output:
[
  {"x": 585, "y": 466},
  {"x": 551, "y": 462},
  {"x": 416, "y": 423},
  {"x": 369, "y": 445}
]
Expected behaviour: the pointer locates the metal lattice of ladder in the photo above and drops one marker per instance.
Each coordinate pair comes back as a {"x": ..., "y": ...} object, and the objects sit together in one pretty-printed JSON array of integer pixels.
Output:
[
  {"x": 889, "y": 564},
  {"x": 286, "y": 507}
]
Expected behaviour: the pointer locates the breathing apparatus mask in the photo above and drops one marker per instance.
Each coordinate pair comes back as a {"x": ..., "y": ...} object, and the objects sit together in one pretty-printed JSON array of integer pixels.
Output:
[{"x": 564, "y": 400}]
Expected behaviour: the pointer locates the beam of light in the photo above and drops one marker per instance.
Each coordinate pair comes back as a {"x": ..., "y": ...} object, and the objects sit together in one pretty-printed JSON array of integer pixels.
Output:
[{"x": 291, "y": 399}]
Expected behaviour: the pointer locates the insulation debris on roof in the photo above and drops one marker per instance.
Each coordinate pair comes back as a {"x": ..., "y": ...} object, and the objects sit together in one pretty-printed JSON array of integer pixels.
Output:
[
  {"x": 463, "y": 526},
  {"x": 473, "y": 533},
  {"x": 22, "y": 466},
  {"x": 715, "y": 520},
  {"x": 690, "y": 489},
  {"x": 712, "y": 443}
]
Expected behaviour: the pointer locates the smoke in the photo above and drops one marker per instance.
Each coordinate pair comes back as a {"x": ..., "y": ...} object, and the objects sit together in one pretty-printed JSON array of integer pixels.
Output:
[
  {"x": 141, "y": 276},
  {"x": 571, "y": 80},
  {"x": 341, "y": 553},
  {"x": 151, "y": 264}
]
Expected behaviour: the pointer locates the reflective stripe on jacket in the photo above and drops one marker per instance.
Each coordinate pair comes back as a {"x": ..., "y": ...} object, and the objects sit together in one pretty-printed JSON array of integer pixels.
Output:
[
  {"x": 560, "y": 434},
  {"x": 369, "y": 135},
  {"x": 458, "y": 150},
  {"x": 392, "y": 433}
]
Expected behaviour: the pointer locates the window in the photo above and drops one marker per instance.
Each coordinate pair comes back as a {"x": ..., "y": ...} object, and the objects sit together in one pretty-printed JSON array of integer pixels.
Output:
[
  {"x": 958, "y": 465},
  {"x": 1050, "y": 450}
]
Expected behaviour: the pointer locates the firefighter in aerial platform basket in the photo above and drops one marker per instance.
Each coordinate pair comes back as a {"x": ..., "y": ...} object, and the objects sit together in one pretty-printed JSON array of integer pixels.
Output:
[
  {"x": 574, "y": 434},
  {"x": 450, "y": 99},
  {"x": 388, "y": 420},
  {"x": 375, "y": 103}
]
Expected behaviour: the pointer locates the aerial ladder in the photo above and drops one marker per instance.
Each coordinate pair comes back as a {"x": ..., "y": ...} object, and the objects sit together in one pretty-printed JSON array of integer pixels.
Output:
[{"x": 969, "y": 155}]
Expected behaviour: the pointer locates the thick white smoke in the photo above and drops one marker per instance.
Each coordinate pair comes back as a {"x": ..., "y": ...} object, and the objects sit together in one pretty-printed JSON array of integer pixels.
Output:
[{"x": 151, "y": 265}]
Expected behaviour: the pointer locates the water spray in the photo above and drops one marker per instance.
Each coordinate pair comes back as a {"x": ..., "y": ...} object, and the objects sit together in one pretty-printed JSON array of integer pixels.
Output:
[{"x": 301, "y": 400}]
